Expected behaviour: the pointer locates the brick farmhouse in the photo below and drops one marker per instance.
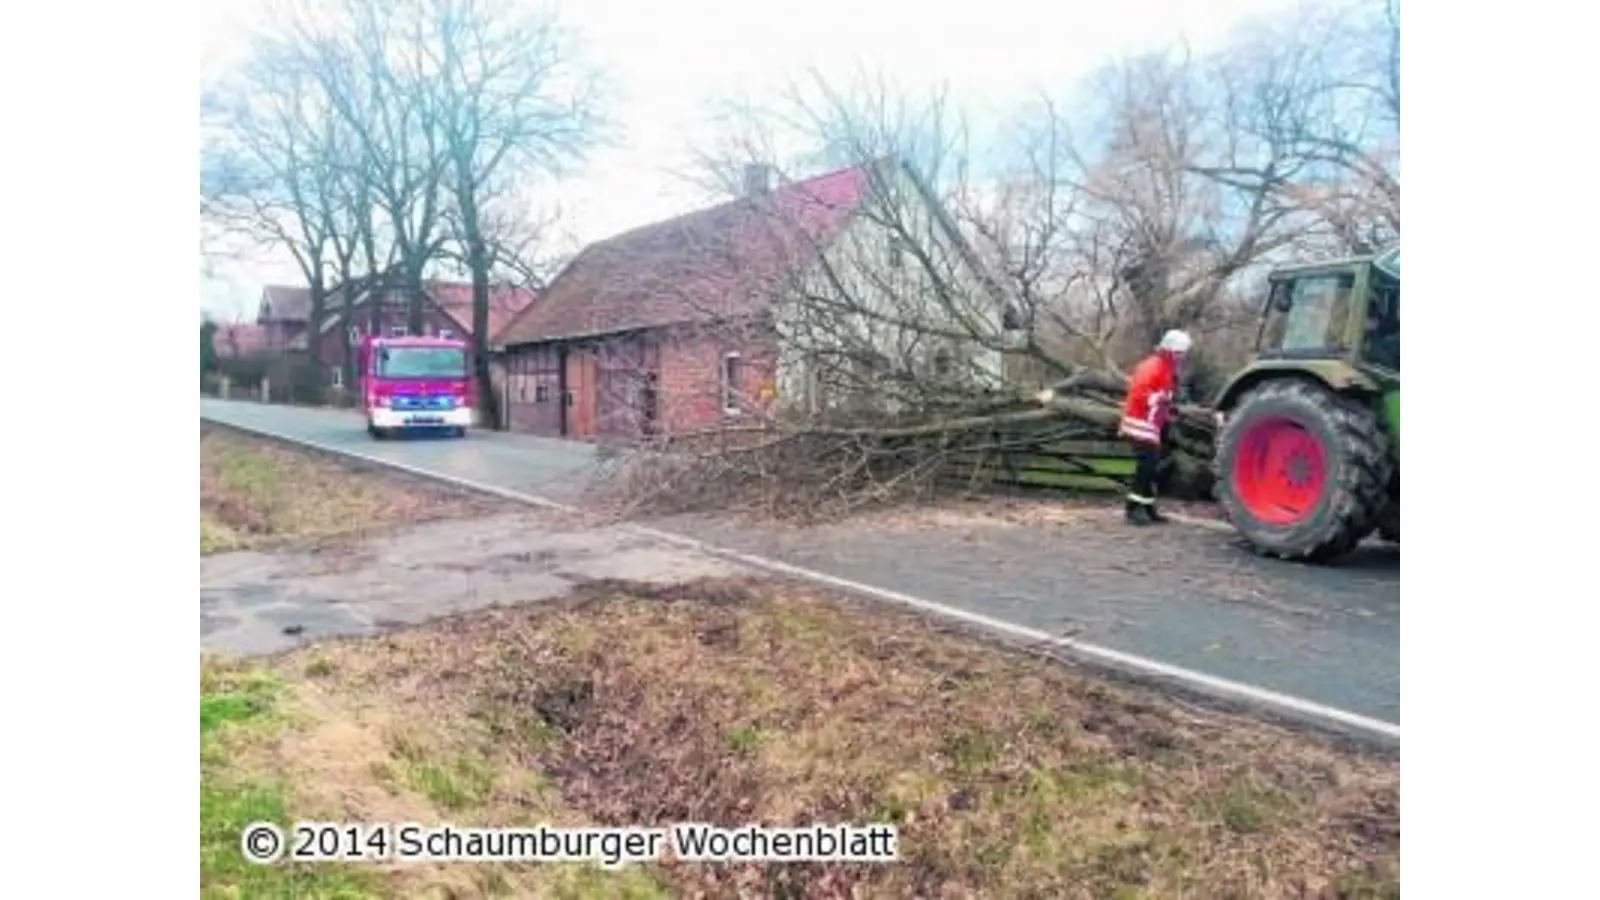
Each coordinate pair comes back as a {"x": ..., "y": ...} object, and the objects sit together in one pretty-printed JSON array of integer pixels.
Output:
[{"x": 675, "y": 327}]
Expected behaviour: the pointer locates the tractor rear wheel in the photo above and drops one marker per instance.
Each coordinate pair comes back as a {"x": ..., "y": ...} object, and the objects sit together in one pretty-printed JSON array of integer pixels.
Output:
[{"x": 1302, "y": 472}]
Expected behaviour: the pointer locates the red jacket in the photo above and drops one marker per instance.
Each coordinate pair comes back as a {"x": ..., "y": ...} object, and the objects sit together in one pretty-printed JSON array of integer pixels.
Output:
[{"x": 1149, "y": 400}]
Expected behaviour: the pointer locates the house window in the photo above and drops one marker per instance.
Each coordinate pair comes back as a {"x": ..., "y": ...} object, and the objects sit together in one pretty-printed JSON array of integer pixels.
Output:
[
  {"x": 397, "y": 331},
  {"x": 897, "y": 252},
  {"x": 336, "y": 376},
  {"x": 541, "y": 393},
  {"x": 446, "y": 333},
  {"x": 732, "y": 368}
]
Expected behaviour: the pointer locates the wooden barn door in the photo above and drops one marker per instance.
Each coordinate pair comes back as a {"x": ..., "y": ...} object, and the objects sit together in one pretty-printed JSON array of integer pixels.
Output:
[{"x": 580, "y": 392}]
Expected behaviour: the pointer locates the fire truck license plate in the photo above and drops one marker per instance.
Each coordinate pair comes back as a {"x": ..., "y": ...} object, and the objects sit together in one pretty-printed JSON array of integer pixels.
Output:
[{"x": 424, "y": 420}]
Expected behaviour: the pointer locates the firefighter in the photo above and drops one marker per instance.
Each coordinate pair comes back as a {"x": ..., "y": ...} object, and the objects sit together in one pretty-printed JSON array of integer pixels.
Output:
[{"x": 1145, "y": 414}]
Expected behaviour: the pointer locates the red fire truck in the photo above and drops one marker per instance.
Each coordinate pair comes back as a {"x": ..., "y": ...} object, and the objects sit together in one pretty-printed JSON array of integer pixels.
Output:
[{"x": 415, "y": 383}]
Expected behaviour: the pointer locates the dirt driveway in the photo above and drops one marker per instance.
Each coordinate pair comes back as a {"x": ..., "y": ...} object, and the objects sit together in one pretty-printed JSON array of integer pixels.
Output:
[{"x": 252, "y": 602}]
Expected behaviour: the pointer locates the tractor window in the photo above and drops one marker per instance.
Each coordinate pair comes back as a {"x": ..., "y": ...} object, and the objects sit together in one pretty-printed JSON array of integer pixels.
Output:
[
  {"x": 1380, "y": 344},
  {"x": 1314, "y": 323}
]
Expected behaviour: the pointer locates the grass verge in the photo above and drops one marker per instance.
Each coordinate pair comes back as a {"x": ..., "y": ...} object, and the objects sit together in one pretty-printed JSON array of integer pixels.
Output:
[
  {"x": 754, "y": 701},
  {"x": 254, "y": 493}
]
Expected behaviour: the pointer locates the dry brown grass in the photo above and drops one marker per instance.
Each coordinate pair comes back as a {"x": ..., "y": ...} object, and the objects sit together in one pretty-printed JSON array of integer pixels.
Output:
[
  {"x": 740, "y": 701},
  {"x": 323, "y": 752},
  {"x": 256, "y": 493}
]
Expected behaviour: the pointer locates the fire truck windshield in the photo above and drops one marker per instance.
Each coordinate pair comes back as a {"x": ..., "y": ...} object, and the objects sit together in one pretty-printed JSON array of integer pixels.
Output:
[{"x": 421, "y": 362}]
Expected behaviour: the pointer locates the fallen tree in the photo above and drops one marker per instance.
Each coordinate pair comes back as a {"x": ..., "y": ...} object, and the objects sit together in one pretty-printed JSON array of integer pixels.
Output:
[{"x": 822, "y": 469}]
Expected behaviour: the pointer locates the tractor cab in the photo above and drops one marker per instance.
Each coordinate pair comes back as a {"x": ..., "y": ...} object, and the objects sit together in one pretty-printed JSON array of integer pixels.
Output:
[{"x": 1339, "y": 312}]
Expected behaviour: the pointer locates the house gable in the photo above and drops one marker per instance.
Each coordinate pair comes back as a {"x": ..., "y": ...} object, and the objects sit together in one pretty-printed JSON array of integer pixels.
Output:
[
  {"x": 899, "y": 291},
  {"x": 284, "y": 303}
]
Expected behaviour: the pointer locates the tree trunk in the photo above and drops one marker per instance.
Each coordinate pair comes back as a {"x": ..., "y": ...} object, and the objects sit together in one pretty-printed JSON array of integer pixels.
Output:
[
  {"x": 478, "y": 263},
  {"x": 319, "y": 303},
  {"x": 487, "y": 400},
  {"x": 346, "y": 320}
]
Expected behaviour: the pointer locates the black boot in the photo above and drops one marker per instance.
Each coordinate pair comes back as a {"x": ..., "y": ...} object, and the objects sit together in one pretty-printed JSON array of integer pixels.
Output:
[
  {"x": 1155, "y": 516},
  {"x": 1137, "y": 514}
]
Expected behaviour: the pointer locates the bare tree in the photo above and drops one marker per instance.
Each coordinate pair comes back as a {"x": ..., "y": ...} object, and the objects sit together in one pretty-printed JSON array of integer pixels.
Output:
[
  {"x": 1324, "y": 85},
  {"x": 370, "y": 63},
  {"x": 269, "y": 170},
  {"x": 356, "y": 239},
  {"x": 442, "y": 113},
  {"x": 511, "y": 104}
]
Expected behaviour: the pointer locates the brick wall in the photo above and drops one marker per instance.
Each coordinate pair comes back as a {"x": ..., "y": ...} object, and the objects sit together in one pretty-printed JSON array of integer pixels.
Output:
[
  {"x": 682, "y": 369},
  {"x": 692, "y": 378}
]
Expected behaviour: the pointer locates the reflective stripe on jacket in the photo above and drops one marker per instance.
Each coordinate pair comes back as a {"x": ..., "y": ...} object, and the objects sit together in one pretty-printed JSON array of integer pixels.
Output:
[{"x": 1149, "y": 400}]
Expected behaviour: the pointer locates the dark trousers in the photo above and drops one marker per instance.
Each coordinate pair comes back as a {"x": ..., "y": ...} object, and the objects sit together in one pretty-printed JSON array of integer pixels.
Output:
[{"x": 1147, "y": 466}]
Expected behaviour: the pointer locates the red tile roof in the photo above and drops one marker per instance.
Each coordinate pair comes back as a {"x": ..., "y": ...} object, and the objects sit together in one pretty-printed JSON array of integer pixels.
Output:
[
  {"x": 239, "y": 339},
  {"x": 714, "y": 263},
  {"x": 455, "y": 300}
]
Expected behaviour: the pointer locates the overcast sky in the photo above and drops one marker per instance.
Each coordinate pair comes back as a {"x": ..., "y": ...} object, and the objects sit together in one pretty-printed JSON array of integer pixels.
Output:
[{"x": 666, "y": 61}]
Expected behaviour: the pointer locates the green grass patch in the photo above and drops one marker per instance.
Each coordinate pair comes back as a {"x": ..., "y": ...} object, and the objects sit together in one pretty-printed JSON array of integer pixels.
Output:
[
  {"x": 235, "y": 709},
  {"x": 230, "y": 696},
  {"x": 225, "y": 809}
]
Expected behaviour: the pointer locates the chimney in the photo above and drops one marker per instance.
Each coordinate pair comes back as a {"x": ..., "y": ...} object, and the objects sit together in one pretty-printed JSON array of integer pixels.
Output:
[{"x": 757, "y": 179}]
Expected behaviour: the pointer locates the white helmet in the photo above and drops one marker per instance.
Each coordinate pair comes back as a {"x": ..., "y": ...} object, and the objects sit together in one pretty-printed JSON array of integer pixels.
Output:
[{"x": 1175, "y": 341}]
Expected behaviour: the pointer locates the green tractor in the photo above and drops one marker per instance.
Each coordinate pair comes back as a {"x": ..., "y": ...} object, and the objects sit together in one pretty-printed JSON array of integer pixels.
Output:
[{"x": 1308, "y": 445}]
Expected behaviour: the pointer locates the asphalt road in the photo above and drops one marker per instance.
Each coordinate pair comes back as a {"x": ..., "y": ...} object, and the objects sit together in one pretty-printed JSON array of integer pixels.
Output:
[{"x": 1184, "y": 596}]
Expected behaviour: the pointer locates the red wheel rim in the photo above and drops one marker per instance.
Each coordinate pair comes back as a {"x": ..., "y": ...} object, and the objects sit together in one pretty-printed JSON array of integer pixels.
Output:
[{"x": 1279, "y": 472}]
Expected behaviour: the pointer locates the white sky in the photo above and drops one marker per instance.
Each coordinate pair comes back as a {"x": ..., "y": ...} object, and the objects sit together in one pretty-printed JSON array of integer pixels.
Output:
[{"x": 667, "y": 60}]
